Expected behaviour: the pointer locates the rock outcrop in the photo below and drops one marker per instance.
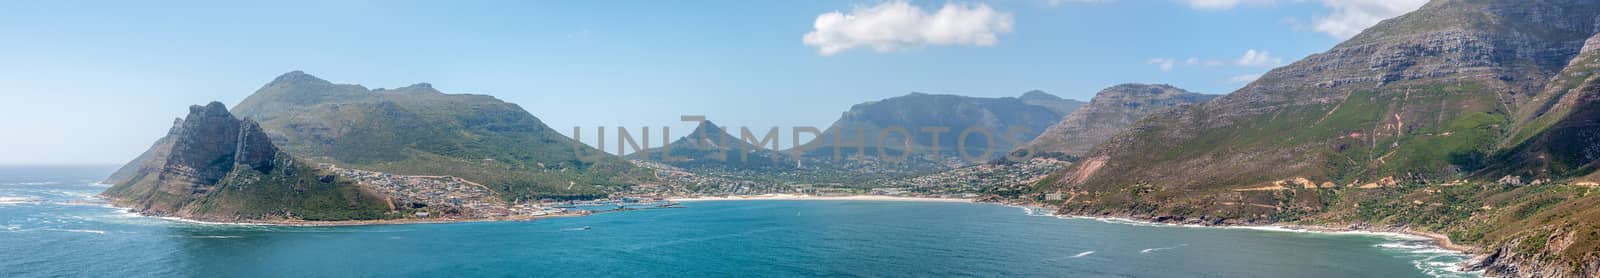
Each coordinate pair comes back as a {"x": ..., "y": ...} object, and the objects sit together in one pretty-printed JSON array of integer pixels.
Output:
[
  {"x": 213, "y": 166},
  {"x": 1109, "y": 112}
]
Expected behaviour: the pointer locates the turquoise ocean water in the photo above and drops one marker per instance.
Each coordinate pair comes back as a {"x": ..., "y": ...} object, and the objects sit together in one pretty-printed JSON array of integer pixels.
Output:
[{"x": 50, "y": 225}]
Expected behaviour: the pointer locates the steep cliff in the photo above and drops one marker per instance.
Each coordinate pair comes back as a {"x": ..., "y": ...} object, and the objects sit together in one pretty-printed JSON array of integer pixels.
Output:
[{"x": 215, "y": 167}]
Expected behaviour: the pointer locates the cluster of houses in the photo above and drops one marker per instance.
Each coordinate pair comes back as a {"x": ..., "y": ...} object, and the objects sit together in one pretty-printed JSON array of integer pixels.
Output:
[
  {"x": 967, "y": 180},
  {"x": 438, "y": 196}
]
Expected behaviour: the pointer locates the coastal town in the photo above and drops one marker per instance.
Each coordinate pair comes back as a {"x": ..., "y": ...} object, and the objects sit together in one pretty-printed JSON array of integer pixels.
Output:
[
  {"x": 440, "y": 196},
  {"x": 454, "y": 198},
  {"x": 963, "y": 182}
]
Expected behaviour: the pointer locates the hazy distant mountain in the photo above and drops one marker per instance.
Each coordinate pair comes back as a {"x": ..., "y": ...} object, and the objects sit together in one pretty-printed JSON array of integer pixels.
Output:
[
  {"x": 710, "y": 145},
  {"x": 1428, "y": 121},
  {"x": 417, "y": 130},
  {"x": 895, "y": 117},
  {"x": 1109, "y": 112},
  {"x": 212, "y": 166}
]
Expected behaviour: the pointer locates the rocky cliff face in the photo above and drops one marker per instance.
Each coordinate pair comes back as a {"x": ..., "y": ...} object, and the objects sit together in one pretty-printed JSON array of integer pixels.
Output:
[
  {"x": 1456, "y": 118},
  {"x": 1558, "y": 131},
  {"x": 1109, "y": 112},
  {"x": 213, "y": 166},
  {"x": 1420, "y": 97}
]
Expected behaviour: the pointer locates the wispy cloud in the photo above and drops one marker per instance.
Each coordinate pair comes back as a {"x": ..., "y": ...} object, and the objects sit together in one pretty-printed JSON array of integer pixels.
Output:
[
  {"x": 896, "y": 25},
  {"x": 1244, "y": 78},
  {"x": 1350, "y": 17},
  {"x": 1222, "y": 4},
  {"x": 1054, "y": 3},
  {"x": 1166, "y": 64},
  {"x": 1253, "y": 58},
  {"x": 1345, "y": 19}
]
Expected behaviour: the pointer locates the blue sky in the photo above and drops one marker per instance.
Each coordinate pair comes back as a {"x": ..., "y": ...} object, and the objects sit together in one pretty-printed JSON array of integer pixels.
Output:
[{"x": 97, "y": 82}]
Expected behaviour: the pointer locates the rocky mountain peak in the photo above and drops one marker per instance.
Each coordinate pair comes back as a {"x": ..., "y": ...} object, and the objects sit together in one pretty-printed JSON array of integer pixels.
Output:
[
  {"x": 1111, "y": 110},
  {"x": 298, "y": 77},
  {"x": 1039, "y": 95},
  {"x": 419, "y": 88},
  {"x": 708, "y": 128}
]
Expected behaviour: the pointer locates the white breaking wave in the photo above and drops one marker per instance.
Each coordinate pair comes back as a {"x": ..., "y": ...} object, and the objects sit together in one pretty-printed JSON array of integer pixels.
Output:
[
  {"x": 79, "y": 231},
  {"x": 1415, "y": 248},
  {"x": 11, "y": 200},
  {"x": 1084, "y": 254},
  {"x": 1431, "y": 260},
  {"x": 219, "y": 237},
  {"x": 1148, "y": 250},
  {"x": 32, "y": 183}
]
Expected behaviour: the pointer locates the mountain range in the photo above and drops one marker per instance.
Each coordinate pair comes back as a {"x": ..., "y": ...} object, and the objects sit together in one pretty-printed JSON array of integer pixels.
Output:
[
  {"x": 1469, "y": 118},
  {"x": 923, "y": 123}
]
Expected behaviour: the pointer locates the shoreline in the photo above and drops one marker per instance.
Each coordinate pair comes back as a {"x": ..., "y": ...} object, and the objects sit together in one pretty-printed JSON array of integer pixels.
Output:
[
  {"x": 1473, "y": 253},
  {"x": 350, "y": 223},
  {"x": 341, "y": 223},
  {"x": 1436, "y": 239},
  {"x": 799, "y": 197},
  {"x": 304, "y": 223}
]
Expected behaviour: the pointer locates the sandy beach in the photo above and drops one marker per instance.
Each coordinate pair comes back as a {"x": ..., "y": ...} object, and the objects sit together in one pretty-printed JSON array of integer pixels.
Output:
[{"x": 821, "y": 198}]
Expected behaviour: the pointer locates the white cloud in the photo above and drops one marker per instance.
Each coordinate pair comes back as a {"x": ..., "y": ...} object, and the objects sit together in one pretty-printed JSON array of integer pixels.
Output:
[
  {"x": 1253, "y": 58},
  {"x": 1245, "y": 78},
  {"x": 1196, "y": 61},
  {"x": 1222, "y": 4},
  {"x": 1166, "y": 64},
  {"x": 1054, "y": 3},
  {"x": 1345, "y": 19},
  {"x": 898, "y": 25},
  {"x": 1350, "y": 17}
]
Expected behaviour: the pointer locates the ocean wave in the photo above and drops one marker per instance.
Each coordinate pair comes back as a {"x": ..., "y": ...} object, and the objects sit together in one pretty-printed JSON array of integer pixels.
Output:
[
  {"x": 1444, "y": 266},
  {"x": 1149, "y": 250},
  {"x": 1036, "y": 211},
  {"x": 1084, "y": 254},
  {"x": 215, "y": 237},
  {"x": 32, "y": 183},
  {"x": 78, "y": 231},
  {"x": 74, "y": 193},
  {"x": 12, "y": 200},
  {"x": 1415, "y": 247}
]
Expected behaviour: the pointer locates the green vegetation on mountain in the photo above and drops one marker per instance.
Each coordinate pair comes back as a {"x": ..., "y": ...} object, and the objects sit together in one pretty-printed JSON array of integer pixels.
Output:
[
  {"x": 1471, "y": 118},
  {"x": 417, "y": 130}
]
